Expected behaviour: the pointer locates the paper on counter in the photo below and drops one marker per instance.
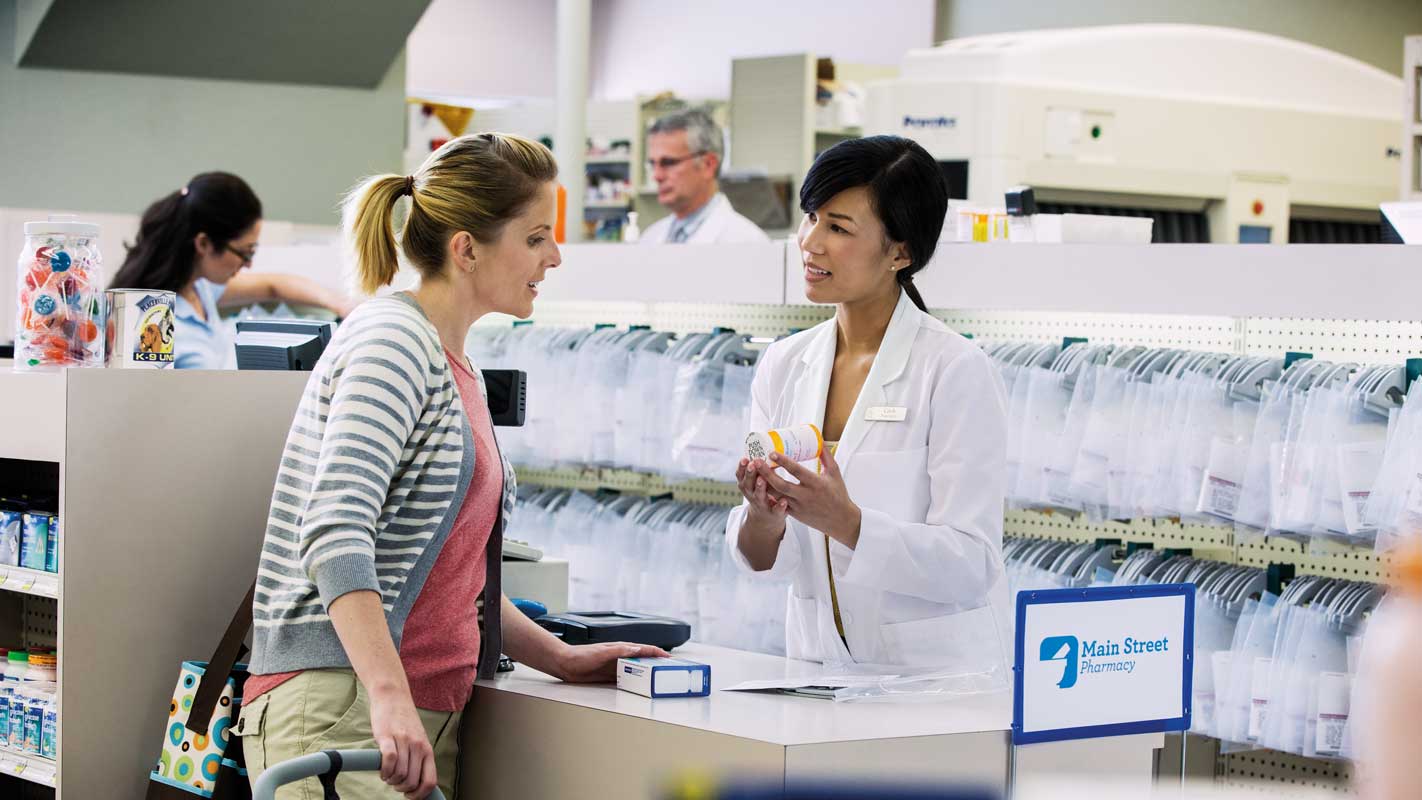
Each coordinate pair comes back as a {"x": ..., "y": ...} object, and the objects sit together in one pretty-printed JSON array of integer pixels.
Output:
[{"x": 832, "y": 681}]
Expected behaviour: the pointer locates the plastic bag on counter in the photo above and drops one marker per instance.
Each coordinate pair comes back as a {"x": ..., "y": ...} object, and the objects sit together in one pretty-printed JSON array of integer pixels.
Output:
[{"x": 929, "y": 687}]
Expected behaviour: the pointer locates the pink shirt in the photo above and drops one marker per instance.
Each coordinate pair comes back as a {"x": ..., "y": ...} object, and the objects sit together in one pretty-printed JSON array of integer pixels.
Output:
[{"x": 440, "y": 645}]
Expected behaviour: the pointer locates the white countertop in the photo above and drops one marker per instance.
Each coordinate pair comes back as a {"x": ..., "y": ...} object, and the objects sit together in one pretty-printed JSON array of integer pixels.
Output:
[{"x": 774, "y": 718}]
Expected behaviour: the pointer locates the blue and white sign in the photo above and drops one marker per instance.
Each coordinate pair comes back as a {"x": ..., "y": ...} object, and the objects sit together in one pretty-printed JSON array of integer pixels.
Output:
[{"x": 1103, "y": 662}]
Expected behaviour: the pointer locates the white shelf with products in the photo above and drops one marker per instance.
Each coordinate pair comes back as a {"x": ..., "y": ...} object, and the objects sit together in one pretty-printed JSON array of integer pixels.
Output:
[
  {"x": 30, "y": 768},
  {"x": 29, "y": 581},
  {"x": 605, "y": 160},
  {"x": 150, "y": 540}
]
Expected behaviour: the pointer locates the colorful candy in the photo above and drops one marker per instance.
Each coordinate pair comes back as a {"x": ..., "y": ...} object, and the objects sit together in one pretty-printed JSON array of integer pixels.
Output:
[{"x": 59, "y": 296}]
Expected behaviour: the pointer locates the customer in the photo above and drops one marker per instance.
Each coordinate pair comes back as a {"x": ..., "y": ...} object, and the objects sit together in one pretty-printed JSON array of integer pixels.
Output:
[
  {"x": 386, "y": 522},
  {"x": 196, "y": 241},
  {"x": 685, "y": 151},
  {"x": 893, "y": 541}
]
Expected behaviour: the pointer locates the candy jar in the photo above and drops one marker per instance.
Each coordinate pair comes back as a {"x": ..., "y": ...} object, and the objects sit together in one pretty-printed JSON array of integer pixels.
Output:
[{"x": 59, "y": 315}]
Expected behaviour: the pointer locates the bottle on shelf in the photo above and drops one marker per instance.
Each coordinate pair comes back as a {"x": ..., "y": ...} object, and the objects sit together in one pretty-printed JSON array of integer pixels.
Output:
[{"x": 17, "y": 663}]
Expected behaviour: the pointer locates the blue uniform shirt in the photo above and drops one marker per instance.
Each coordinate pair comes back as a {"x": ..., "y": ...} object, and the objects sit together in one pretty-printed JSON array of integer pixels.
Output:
[{"x": 202, "y": 344}]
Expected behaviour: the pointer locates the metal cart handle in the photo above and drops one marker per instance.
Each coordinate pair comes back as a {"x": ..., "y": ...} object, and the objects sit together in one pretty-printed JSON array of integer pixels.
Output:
[{"x": 326, "y": 763}]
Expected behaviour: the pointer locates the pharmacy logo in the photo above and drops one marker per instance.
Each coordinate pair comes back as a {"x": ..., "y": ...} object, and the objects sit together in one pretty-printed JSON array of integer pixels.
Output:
[{"x": 1066, "y": 649}]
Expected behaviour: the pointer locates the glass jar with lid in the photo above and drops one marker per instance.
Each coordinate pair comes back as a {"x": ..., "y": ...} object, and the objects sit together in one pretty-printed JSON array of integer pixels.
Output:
[{"x": 59, "y": 294}]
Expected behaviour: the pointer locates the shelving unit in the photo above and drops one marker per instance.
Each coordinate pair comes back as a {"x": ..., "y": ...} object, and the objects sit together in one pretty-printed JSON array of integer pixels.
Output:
[
  {"x": 773, "y": 115},
  {"x": 612, "y": 159},
  {"x": 615, "y": 120},
  {"x": 164, "y": 483}
]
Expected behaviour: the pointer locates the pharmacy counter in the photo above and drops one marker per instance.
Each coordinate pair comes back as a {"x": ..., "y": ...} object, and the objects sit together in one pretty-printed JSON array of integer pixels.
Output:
[{"x": 527, "y": 735}]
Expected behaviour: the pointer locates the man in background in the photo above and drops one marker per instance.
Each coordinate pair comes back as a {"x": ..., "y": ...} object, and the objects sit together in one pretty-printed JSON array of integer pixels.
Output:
[{"x": 684, "y": 154}]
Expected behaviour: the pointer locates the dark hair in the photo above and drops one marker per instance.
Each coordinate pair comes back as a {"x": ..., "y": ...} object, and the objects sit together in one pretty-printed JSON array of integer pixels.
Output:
[
  {"x": 906, "y": 190},
  {"x": 219, "y": 204}
]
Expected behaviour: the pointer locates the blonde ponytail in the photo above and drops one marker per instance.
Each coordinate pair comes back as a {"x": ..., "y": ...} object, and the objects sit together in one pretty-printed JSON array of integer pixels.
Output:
[
  {"x": 473, "y": 183},
  {"x": 369, "y": 221}
]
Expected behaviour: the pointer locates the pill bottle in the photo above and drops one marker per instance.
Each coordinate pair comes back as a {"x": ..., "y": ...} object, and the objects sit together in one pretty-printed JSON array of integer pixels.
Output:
[
  {"x": 798, "y": 443},
  {"x": 16, "y": 665},
  {"x": 42, "y": 667}
]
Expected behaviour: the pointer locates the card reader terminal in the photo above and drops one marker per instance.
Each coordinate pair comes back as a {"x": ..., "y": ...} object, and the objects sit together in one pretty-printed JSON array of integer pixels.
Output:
[{"x": 593, "y": 627}]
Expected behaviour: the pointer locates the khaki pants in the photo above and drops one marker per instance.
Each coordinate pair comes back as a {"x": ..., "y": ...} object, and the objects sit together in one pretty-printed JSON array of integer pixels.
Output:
[{"x": 328, "y": 709}]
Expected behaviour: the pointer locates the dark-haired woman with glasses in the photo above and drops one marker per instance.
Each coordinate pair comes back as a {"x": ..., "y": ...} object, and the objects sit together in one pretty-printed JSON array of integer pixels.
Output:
[
  {"x": 892, "y": 542},
  {"x": 196, "y": 242}
]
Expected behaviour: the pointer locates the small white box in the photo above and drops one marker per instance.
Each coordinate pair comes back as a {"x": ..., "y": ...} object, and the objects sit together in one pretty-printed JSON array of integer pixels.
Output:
[{"x": 664, "y": 677}]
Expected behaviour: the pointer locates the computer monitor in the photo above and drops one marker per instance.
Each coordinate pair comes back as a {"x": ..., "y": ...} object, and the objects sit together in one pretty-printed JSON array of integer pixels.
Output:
[{"x": 281, "y": 344}]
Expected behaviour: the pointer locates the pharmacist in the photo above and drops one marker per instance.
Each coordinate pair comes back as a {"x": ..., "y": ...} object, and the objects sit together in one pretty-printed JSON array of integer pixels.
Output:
[
  {"x": 892, "y": 540},
  {"x": 684, "y": 154},
  {"x": 196, "y": 242}
]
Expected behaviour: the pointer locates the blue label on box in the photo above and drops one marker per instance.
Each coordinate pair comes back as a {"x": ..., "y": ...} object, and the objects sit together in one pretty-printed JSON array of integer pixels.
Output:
[
  {"x": 34, "y": 541},
  {"x": 51, "y": 548}
]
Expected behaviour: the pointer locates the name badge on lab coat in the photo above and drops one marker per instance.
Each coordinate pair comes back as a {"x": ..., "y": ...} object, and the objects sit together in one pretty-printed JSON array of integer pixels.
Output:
[{"x": 886, "y": 414}]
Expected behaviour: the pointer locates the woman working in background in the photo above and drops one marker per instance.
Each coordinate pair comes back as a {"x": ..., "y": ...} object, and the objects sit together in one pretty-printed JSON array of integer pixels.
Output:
[
  {"x": 893, "y": 540},
  {"x": 195, "y": 242}
]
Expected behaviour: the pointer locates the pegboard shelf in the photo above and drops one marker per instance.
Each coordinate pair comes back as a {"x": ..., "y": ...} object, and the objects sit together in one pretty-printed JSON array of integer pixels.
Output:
[
  {"x": 592, "y": 479},
  {"x": 1270, "y": 769}
]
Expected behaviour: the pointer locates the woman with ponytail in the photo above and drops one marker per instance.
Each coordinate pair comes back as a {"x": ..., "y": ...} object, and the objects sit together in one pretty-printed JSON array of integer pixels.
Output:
[
  {"x": 196, "y": 242},
  {"x": 386, "y": 523},
  {"x": 893, "y": 540}
]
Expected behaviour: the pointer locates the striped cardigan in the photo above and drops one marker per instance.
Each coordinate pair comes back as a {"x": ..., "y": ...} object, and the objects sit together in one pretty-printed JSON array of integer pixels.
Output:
[{"x": 375, "y": 468}]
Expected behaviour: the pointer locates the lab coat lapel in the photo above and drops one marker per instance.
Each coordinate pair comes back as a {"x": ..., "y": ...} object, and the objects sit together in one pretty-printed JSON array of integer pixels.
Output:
[
  {"x": 709, "y": 232},
  {"x": 888, "y": 365},
  {"x": 812, "y": 388}
]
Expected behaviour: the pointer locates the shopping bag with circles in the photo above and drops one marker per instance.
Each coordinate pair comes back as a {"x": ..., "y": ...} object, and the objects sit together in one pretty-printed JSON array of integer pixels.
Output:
[{"x": 200, "y": 757}]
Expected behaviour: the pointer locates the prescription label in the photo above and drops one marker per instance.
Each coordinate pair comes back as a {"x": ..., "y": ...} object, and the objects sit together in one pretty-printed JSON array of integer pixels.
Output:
[{"x": 1334, "y": 689}]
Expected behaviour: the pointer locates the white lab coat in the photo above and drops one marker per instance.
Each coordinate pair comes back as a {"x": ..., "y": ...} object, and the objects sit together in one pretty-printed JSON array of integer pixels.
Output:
[
  {"x": 925, "y": 585},
  {"x": 721, "y": 226}
]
